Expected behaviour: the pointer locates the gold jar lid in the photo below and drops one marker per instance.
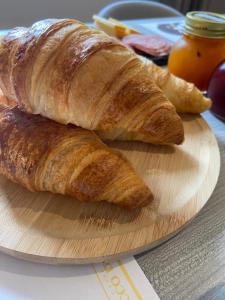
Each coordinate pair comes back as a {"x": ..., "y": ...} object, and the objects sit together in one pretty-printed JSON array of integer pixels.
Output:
[{"x": 205, "y": 24}]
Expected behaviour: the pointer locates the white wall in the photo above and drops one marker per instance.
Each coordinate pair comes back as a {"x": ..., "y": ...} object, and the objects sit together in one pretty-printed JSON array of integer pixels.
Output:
[{"x": 25, "y": 12}]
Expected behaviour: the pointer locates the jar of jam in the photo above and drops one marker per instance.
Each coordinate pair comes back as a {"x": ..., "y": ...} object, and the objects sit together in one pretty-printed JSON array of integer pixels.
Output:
[{"x": 200, "y": 49}]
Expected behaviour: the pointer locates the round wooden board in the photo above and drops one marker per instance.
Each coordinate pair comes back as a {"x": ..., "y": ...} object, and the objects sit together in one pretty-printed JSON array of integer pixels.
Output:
[{"x": 50, "y": 228}]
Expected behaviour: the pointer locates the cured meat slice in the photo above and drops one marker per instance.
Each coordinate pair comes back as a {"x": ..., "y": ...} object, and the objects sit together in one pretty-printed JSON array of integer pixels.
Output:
[{"x": 150, "y": 44}]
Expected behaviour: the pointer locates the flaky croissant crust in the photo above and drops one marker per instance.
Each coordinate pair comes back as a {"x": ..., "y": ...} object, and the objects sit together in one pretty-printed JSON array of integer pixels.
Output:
[
  {"x": 70, "y": 73},
  {"x": 43, "y": 155},
  {"x": 185, "y": 96}
]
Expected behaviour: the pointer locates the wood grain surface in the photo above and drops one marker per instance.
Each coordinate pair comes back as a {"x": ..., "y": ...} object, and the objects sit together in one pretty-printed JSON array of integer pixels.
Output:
[
  {"x": 55, "y": 229},
  {"x": 191, "y": 265}
]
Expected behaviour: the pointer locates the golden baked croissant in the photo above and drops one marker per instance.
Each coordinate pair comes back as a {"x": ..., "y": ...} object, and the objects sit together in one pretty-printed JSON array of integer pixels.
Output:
[
  {"x": 70, "y": 73},
  {"x": 185, "y": 96},
  {"x": 43, "y": 155},
  {"x": 5, "y": 101}
]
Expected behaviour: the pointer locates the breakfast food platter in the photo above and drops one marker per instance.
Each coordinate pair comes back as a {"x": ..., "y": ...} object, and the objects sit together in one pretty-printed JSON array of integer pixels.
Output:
[
  {"x": 96, "y": 162},
  {"x": 54, "y": 229}
]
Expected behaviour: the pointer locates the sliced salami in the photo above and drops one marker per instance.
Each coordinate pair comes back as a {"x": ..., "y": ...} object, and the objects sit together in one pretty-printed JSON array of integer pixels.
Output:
[{"x": 149, "y": 44}]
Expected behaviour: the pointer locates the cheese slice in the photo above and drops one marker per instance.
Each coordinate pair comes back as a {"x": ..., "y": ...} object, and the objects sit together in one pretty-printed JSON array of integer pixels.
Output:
[{"x": 113, "y": 27}]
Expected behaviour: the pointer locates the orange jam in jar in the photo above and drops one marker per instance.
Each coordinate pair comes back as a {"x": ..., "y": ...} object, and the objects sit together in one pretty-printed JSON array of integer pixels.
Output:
[{"x": 200, "y": 49}]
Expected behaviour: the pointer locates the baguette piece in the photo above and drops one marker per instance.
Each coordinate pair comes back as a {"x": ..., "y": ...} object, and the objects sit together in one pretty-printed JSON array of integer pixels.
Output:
[
  {"x": 185, "y": 96},
  {"x": 43, "y": 155},
  {"x": 70, "y": 73}
]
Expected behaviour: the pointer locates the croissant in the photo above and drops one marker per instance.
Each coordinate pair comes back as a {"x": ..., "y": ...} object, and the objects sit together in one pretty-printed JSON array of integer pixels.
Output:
[
  {"x": 43, "y": 155},
  {"x": 185, "y": 96},
  {"x": 70, "y": 73},
  {"x": 5, "y": 101}
]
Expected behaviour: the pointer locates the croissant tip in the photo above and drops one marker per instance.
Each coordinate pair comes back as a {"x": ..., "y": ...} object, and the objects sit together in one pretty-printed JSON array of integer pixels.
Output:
[
  {"x": 165, "y": 126},
  {"x": 138, "y": 199},
  {"x": 180, "y": 139},
  {"x": 208, "y": 102}
]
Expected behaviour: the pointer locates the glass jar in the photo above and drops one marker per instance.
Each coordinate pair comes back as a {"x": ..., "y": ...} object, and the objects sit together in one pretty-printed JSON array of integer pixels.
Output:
[{"x": 200, "y": 49}]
